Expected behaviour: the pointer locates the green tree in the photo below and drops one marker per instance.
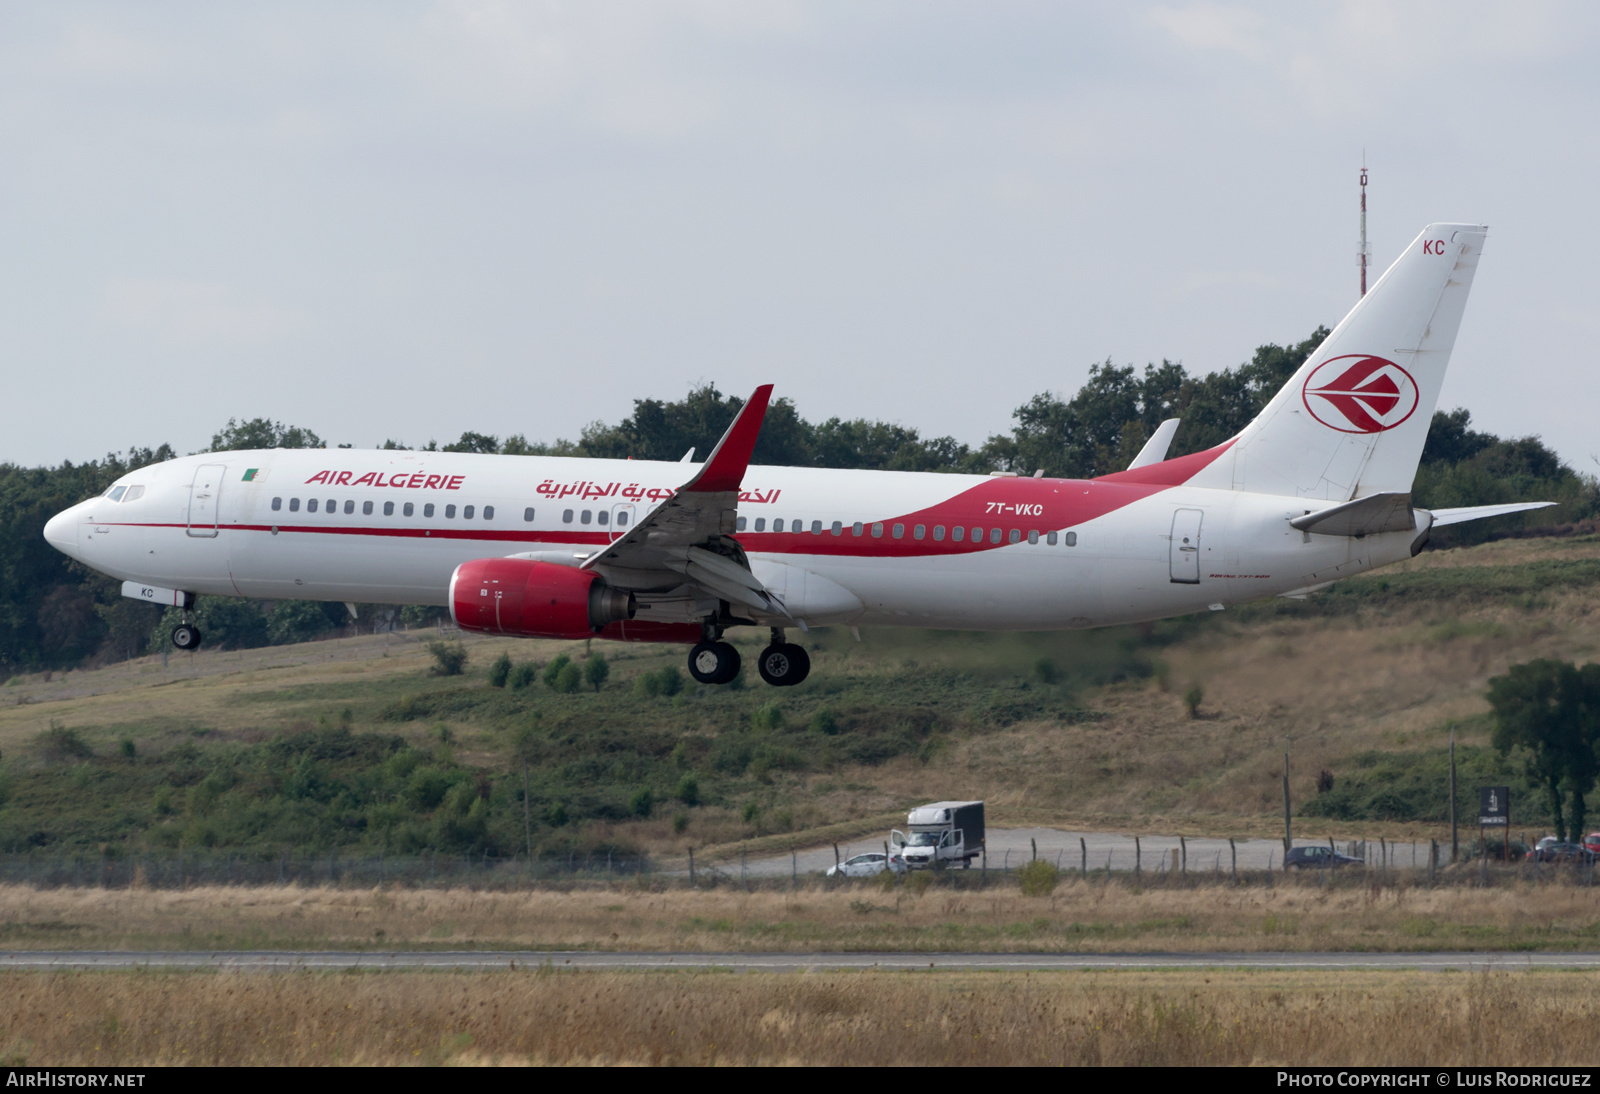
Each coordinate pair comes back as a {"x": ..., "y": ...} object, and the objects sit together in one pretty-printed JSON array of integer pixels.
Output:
[
  {"x": 1550, "y": 710},
  {"x": 552, "y": 671},
  {"x": 595, "y": 670},
  {"x": 263, "y": 433},
  {"x": 500, "y": 671}
]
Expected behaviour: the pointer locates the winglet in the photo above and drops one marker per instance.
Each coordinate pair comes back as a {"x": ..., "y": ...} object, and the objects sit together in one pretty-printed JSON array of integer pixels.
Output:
[{"x": 724, "y": 469}]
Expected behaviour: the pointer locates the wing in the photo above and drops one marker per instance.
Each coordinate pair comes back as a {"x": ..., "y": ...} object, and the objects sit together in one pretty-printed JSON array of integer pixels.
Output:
[{"x": 682, "y": 558}]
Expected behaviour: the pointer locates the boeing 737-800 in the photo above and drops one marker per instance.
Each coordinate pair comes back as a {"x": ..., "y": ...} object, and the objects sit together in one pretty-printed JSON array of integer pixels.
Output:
[{"x": 1316, "y": 488}]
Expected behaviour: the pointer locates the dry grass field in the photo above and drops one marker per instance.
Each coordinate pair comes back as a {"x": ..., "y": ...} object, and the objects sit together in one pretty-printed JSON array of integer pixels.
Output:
[
  {"x": 547, "y": 1017},
  {"x": 1093, "y": 918}
]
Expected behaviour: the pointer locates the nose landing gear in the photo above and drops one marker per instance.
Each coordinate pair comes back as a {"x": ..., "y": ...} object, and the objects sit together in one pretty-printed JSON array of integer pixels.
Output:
[{"x": 186, "y": 636}]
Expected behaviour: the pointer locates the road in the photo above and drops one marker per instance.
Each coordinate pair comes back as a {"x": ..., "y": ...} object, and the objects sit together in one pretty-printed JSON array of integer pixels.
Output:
[
  {"x": 1011, "y": 847},
  {"x": 287, "y": 961}
]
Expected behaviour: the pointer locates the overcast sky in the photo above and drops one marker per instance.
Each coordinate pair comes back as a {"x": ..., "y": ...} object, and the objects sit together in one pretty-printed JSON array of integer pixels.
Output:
[{"x": 407, "y": 220}]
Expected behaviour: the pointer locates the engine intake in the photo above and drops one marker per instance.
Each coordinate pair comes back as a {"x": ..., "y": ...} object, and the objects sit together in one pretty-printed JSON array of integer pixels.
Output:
[{"x": 528, "y": 599}]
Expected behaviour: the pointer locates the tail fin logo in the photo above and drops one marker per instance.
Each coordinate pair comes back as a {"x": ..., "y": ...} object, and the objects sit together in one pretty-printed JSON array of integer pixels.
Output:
[{"x": 1358, "y": 393}]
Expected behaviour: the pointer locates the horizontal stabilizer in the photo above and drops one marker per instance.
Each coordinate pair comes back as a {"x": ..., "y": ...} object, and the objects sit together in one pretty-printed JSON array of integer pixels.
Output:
[
  {"x": 1363, "y": 517},
  {"x": 1479, "y": 512},
  {"x": 1155, "y": 449}
]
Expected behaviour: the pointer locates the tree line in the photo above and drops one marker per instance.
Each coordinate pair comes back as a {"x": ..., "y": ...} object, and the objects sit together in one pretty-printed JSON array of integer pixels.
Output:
[{"x": 56, "y": 614}]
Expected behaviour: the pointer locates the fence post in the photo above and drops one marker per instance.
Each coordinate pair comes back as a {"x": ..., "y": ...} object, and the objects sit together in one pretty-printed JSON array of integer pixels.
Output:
[
  {"x": 1083, "y": 849},
  {"x": 1035, "y": 845},
  {"x": 1138, "y": 855},
  {"x": 1233, "y": 854},
  {"x": 1183, "y": 852},
  {"x": 691, "y": 867},
  {"x": 794, "y": 866}
]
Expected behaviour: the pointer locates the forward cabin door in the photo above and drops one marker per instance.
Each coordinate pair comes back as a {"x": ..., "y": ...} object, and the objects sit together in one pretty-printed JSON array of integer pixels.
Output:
[
  {"x": 205, "y": 494},
  {"x": 1185, "y": 559},
  {"x": 623, "y": 515}
]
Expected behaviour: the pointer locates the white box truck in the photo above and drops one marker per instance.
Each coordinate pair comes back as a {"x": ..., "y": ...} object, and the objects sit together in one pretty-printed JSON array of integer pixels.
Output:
[{"x": 941, "y": 834}]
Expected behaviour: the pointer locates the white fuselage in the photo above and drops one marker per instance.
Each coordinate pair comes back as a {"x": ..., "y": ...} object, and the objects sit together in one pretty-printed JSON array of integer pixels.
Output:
[{"x": 392, "y": 526}]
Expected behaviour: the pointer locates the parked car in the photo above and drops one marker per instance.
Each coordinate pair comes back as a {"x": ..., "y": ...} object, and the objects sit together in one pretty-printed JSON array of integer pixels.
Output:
[
  {"x": 868, "y": 865},
  {"x": 1317, "y": 857},
  {"x": 1592, "y": 842},
  {"x": 1562, "y": 852}
]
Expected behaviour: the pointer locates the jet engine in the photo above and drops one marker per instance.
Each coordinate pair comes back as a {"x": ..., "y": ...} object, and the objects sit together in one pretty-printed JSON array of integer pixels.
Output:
[{"x": 528, "y": 599}]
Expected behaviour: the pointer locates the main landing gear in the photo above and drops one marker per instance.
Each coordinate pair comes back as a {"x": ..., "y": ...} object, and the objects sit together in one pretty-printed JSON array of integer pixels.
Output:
[
  {"x": 713, "y": 661},
  {"x": 186, "y": 636},
  {"x": 783, "y": 664}
]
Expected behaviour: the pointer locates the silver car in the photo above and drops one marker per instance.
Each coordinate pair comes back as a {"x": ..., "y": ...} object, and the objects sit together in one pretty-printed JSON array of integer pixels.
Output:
[{"x": 868, "y": 865}]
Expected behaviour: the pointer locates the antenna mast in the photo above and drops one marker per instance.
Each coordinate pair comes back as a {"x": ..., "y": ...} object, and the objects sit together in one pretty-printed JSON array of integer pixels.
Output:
[{"x": 1363, "y": 252}]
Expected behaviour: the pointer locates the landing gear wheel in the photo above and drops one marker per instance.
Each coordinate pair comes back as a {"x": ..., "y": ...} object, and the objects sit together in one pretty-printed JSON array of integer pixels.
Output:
[
  {"x": 784, "y": 665},
  {"x": 185, "y": 637},
  {"x": 714, "y": 662}
]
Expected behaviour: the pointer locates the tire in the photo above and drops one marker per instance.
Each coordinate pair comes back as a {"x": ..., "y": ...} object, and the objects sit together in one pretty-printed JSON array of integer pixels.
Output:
[
  {"x": 185, "y": 637},
  {"x": 784, "y": 666},
  {"x": 713, "y": 662}
]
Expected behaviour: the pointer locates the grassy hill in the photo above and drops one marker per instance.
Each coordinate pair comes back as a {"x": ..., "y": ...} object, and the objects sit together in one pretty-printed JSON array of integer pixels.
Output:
[{"x": 352, "y": 743}]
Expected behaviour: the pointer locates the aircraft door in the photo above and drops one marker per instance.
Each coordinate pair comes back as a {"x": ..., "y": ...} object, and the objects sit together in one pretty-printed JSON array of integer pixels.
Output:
[
  {"x": 205, "y": 494},
  {"x": 623, "y": 516},
  {"x": 1185, "y": 557}
]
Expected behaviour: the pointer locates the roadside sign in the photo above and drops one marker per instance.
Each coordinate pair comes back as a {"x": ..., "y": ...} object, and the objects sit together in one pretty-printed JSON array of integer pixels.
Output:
[{"x": 1494, "y": 806}]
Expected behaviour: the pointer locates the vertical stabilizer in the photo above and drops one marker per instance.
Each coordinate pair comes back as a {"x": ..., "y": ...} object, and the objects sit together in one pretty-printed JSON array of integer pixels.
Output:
[{"x": 1353, "y": 420}]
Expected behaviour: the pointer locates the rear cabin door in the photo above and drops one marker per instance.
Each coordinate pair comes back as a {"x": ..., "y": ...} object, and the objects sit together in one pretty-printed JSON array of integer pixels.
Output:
[
  {"x": 205, "y": 493},
  {"x": 1186, "y": 546}
]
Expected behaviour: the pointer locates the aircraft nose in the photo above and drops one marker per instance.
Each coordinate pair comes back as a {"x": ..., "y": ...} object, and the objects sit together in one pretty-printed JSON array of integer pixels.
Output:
[{"x": 61, "y": 532}]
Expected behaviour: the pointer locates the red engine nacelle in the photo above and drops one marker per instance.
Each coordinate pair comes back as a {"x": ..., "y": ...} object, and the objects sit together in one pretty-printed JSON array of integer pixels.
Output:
[{"x": 518, "y": 596}]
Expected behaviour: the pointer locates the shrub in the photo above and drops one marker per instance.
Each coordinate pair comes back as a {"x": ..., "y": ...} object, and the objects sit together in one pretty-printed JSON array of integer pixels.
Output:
[
  {"x": 451, "y": 658},
  {"x": 1324, "y": 781},
  {"x": 1045, "y": 670},
  {"x": 667, "y": 681},
  {"x": 59, "y": 743},
  {"x": 1038, "y": 878},
  {"x": 1191, "y": 700},
  {"x": 552, "y": 671},
  {"x": 595, "y": 671},
  {"x": 127, "y": 748},
  {"x": 524, "y": 675},
  {"x": 751, "y": 812},
  {"x": 500, "y": 671},
  {"x": 918, "y": 881},
  {"x": 824, "y": 722},
  {"x": 768, "y": 717},
  {"x": 688, "y": 791},
  {"x": 555, "y": 815},
  {"x": 569, "y": 681},
  {"x": 642, "y": 802},
  {"x": 680, "y": 822}
]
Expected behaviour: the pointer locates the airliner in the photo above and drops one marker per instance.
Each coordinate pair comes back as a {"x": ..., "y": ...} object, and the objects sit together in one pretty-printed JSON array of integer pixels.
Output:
[{"x": 1315, "y": 489}]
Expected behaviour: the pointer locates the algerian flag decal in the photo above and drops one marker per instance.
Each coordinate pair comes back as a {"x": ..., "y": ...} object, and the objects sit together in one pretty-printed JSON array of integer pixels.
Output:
[{"x": 254, "y": 474}]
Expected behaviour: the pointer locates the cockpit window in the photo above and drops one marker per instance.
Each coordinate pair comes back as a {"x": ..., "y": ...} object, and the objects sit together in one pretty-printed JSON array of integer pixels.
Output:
[
  {"x": 117, "y": 492},
  {"x": 134, "y": 493}
]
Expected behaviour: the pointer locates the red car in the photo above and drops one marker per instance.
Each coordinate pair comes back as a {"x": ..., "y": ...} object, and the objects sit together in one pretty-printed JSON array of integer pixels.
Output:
[{"x": 1591, "y": 842}]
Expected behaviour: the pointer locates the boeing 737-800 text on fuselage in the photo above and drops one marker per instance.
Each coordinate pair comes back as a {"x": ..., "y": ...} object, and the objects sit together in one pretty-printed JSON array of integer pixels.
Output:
[{"x": 1315, "y": 489}]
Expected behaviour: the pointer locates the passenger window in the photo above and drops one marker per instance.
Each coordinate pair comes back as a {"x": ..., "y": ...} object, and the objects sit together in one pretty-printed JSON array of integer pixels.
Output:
[
  {"x": 604, "y": 516},
  {"x": 277, "y": 503},
  {"x": 333, "y": 507},
  {"x": 919, "y": 531},
  {"x": 1016, "y": 536},
  {"x": 488, "y": 512},
  {"x": 388, "y": 508},
  {"x": 777, "y": 525},
  {"x": 977, "y": 535},
  {"x": 449, "y": 512},
  {"x": 1033, "y": 535},
  {"x": 427, "y": 510},
  {"x": 566, "y": 516},
  {"x": 311, "y": 506},
  {"x": 1072, "y": 539},
  {"x": 527, "y": 515},
  {"x": 877, "y": 530},
  {"x": 838, "y": 528},
  {"x": 349, "y": 507},
  {"x": 938, "y": 533},
  {"x": 134, "y": 493},
  {"x": 958, "y": 533},
  {"x": 739, "y": 524},
  {"x": 586, "y": 516},
  {"x": 816, "y": 527},
  {"x": 1050, "y": 539},
  {"x": 294, "y": 505},
  {"x": 898, "y": 531},
  {"x": 407, "y": 509},
  {"x": 466, "y": 513},
  {"x": 994, "y": 535},
  {"x": 117, "y": 492},
  {"x": 622, "y": 520},
  {"x": 366, "y": 508},
  {"x": 761, "y": 522},
  {"x": 857, "y": 528}
]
